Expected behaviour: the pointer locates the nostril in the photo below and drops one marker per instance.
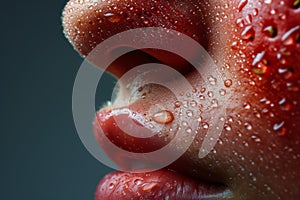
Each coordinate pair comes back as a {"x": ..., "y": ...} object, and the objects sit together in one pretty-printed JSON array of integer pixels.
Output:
[
  {"x": 125, "y": 58},
  {"x": 144, "y": 56},
  {"x": 128, "y": 61}
]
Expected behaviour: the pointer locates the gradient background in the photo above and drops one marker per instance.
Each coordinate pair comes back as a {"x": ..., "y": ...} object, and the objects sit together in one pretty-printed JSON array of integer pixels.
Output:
[{"x": 41, "y": 155}]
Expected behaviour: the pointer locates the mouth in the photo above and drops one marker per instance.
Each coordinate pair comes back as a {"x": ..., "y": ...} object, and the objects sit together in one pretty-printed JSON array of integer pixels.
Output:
[
  {"x": 137, "y": 116},
  {"x": 161, "y": 184}
]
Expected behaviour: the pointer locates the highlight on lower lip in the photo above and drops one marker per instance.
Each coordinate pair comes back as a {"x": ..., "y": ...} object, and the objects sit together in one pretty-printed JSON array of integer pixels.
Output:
[{"x": 162, "y": 184}]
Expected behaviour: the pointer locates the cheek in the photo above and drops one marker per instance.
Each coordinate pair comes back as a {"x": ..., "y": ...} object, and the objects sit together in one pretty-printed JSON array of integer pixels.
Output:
[
  {"x": 260, "y": 141},
  {"x": 267, "y": 79},
  {"x": 255, "y": 151},
  {"x": 261, "y": 135}
]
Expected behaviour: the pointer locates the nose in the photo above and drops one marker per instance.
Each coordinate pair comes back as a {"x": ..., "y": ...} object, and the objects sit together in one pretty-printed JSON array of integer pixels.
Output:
[{"x": 88, "y": 23}]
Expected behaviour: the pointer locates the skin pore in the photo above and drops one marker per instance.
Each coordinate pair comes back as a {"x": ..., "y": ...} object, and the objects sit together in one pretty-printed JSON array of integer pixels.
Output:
[{"x": 257, "y": 155}]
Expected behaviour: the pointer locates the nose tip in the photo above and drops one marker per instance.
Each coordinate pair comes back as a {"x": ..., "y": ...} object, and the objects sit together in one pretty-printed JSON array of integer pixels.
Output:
[{"x": 88, "y": 23}]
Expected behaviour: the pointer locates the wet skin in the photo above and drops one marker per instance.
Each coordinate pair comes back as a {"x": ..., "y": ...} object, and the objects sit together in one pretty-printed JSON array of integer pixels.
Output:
[{"x": 256, "y": 46}]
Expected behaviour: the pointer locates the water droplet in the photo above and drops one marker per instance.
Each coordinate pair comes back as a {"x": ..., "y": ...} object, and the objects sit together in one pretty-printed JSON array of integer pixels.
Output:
[
  {"x": 249, "y": 19},
  {"x": 210, "y": 94},
  {"x": 284, "y": 105},
  {"x": 286, "y": 72},
  {"x": 246, "y": 144},
  {"x": 258, "y": 58},
  {"x": 248, "y": 33},
  {"x": 240, "y": 22},
  {"x": 214, "y": 103},
  {"x": 199, "y": 119},
  {"x": 188, "y": 130},
  {"x": 259, "y": 64},
  {"x": 146, "y": 22},
  {"x": 234, "y": 45},
  {"x": 271, "y": 31},
  {"x": 138, "y": 181},
  {"x": 290, "y": 37},
  {"x": 247, "y": 105},
  {"x": 268, "y": 1},
  {"x": 256, "y": 138},
  {"x": 227, "y": 127},
  {"x": 149, "y": 186},
  {"x": 184, "y": 123},
  {"x": 185, "y": 104},
  {"x": 205, "y": 125},
  {"x": 111, "y": 185},
  {"x": 280, "y": 129},
  {"x": 202, "y": 97},
  {"x": 228, "y": 83},
  {"x": 273, "y": 12},
  {"x": 177, "y": 104},
  {"x": 163, "y": 117},
  {"x": 255, "y": 12},
  {"x": 276, "y": 127},
  {"x": 212, "y": 80},
  {"x": 242, "y": 4},
  {"x": 282, "y": 101},
  {"x": 222, "y": 92},
  {"x": 193, "y": 103},
  {"x": 189, "y": 113},
  {"x": 113, "y": 18},
  {"x": 248, "y": 126}
]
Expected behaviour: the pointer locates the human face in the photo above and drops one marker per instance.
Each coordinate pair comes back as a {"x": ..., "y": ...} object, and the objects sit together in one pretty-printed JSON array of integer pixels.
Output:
[{"x": 256, "y": 47}]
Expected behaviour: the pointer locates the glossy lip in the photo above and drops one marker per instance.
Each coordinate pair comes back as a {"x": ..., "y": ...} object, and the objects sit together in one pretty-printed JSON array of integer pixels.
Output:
[
  {"x": 162, "y": 184},
  {"x": 115, "y": 185}
]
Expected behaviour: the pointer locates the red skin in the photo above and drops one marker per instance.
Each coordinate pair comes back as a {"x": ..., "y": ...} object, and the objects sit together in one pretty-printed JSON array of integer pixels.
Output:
[
  {"x": 150, "y": 186},
  {"x": 254, "y": 159}
]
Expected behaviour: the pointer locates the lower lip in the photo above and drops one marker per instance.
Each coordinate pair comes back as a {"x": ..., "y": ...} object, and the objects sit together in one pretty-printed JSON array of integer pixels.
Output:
[{"x": 162, "y": 184}]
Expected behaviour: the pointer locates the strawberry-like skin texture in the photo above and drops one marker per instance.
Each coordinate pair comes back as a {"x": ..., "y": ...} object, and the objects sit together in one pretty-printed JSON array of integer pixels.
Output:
[
  {"x": 266, "y": 51},
  {"x": 268, "y": 38}
]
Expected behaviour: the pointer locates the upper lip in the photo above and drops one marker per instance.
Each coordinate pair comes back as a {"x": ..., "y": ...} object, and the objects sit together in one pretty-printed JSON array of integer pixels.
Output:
[{"x": 184, "y": 165}]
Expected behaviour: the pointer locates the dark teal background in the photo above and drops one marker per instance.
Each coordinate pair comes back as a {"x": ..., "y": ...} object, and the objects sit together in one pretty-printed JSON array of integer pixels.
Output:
[{"x": 41, "y": 155}]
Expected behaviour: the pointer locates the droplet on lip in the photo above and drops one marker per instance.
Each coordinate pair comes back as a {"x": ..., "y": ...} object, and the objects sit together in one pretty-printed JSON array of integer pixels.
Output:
[
  {"x": 163, "y": 117},
  {"x": 111, "y": 185},
  {"x": 149, "y": 186},
  {"x": 113, "y": 18}
]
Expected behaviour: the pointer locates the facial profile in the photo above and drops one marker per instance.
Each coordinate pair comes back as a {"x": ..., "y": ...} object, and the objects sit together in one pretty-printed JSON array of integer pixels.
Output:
[{"x": 242, "y": 95}]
